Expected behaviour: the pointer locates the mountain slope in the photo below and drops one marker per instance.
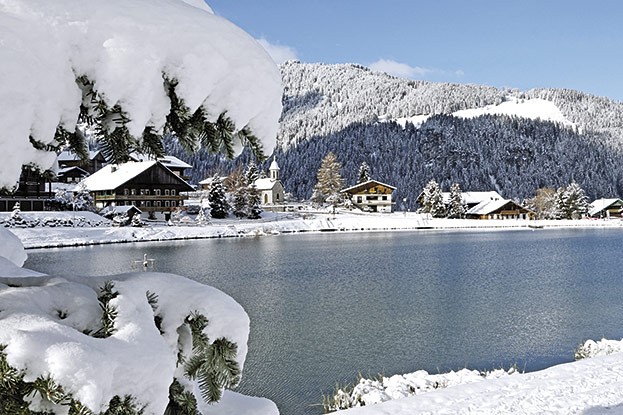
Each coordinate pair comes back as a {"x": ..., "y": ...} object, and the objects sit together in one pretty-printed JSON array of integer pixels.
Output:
[{"x": 412, "y": 131}]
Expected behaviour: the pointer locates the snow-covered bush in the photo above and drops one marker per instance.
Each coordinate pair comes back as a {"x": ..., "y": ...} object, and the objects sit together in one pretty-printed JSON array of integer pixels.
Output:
[
  {"x": 96, "y": 342},
  {"x": 374, "y": 391}
]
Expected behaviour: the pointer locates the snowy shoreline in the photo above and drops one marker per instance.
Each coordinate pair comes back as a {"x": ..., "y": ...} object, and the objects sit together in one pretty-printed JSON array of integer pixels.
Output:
[{"x": 271, "y": 224}]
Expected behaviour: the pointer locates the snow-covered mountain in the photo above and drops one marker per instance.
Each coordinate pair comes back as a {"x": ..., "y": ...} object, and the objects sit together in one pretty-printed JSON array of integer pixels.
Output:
[{"x": 409, "y": 132}]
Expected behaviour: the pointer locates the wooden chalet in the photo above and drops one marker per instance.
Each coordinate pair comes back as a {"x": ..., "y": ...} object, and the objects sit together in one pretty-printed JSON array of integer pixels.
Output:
[
  {"x": 148, "y": 185},
  {"x": 73, "y": 174},
  {"x": 32, "y": 192},
  {"x": 499, "y": 209},
  {"x": 606, "y": 208},
  {"x": 371, "y": 196},
  {"x": 95, "y": 162}
]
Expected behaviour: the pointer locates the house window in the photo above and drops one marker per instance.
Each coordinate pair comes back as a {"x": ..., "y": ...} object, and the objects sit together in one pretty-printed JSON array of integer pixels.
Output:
[
  {"x": 158, "y": 203},
  {"x": 126, "y": 191},
  {"x": 148, "y": 204},
  {"x": 277, "y": 196},
  {"x": 133, "y": 192},
  {"x": 359, "y": 199},
  {"x": 166, "y": 203},
  {"x": 166, "y": 192},
  {"x": 157, "y": 192},
  {"x": 172, "y": 192},
  {"x": 384, "y": 198},
  {"x": 147, "y": 191},
  {"x": 142, "y": 192}
]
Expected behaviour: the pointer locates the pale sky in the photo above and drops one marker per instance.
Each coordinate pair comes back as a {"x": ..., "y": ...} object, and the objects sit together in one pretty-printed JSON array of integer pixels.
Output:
[{"x": 505, "y": 43}]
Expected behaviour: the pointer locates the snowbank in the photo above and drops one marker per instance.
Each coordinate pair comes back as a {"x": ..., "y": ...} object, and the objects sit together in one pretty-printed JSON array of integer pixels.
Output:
[
  {"x": 271, "y": 224},
  {"x": 125, "y": 49},
  {"x": 589, "y": 386},
  {"x": 11, "y": 248}
]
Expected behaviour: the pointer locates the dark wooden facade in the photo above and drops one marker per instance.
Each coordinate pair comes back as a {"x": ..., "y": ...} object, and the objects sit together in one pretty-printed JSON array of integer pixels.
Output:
[
  {"x": 156, "y": 189},
  {"x": 32, "y": 192}
]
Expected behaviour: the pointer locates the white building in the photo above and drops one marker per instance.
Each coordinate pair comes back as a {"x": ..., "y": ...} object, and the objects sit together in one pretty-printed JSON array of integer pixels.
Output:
[
  {"x": 371, "y": 196},
  {"x": 271, "y": 189}
]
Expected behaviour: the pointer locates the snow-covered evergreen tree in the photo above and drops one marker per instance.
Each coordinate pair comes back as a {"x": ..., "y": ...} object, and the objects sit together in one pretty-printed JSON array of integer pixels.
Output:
[
  {"x": 330, "y": 182},
  {"x": 219, "y": 208},
  {"x": 364, "y": 172},
  {"x": 240, "y": 202},
  {"x": 456, "y": 206},
  {"x": 252, "y": 172},
  {"x": 572, "y": 202},
  {"x": 254, "y": 203},
  {"x": 432, "y": 200}
]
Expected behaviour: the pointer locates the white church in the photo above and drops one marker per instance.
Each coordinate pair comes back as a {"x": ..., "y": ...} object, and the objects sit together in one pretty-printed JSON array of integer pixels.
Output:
[{"x": 271, "y": 189}]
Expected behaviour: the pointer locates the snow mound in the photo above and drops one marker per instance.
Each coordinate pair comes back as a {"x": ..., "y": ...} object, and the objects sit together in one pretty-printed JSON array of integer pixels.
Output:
[
  {"x": 125, "y": 49},
  {"x": 43, "y": 321},
  {"x": 11, "y": 248}
]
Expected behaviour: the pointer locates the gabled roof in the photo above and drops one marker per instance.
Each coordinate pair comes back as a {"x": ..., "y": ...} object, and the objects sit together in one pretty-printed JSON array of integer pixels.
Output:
[
  {"x": 489, "y": 206},
  {"x": 112, "y": 176},
  {"x": 69, "y": 156},
  {"x": 365, "y": 185},
  {"x": 602, "y": 204},
  {"x": 474, "y": 198},
  {"x": 265, "y": 184},
  {"x": 169, "y": 161},
  {"x": 64, "y": 170}
]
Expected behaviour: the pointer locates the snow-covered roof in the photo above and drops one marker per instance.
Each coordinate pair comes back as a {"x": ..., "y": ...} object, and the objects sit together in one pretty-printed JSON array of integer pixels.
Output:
[
  {"x": 474, "y": 198},
  {"x": 274, "y": 165},
  {"x": 69, "y": 156},
  {"x": 487, "y": 206},
  {"x": 365, "y": 185},
  {"x": 265, "y": 184},
  {"x": 208, "y": 180},
  {"x": 169, "y": 161},
  {"x": 602, "y": 204},
  {"x": 64, "y": 170},
  {"x": 112, "y": 176}
]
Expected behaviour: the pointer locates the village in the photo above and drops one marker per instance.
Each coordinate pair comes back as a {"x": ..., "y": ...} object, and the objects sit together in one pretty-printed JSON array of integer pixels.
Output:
[{"x": 155, "y": 190}]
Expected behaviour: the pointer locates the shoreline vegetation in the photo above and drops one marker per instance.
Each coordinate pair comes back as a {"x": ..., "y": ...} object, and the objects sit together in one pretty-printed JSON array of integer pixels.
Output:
[{"x": 84, "y": 228}]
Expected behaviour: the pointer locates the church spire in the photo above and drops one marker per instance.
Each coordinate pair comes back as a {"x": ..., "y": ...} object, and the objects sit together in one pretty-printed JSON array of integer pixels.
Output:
[{"x": 274, "y": 170}]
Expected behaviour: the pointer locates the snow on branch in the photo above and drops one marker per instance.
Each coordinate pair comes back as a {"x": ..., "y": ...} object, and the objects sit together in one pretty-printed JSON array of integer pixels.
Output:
[{"x": 73, "y": 60}]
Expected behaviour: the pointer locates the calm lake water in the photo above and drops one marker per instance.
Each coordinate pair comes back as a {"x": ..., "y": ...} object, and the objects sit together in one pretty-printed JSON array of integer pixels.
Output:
[{"x": 325, "y": 307}]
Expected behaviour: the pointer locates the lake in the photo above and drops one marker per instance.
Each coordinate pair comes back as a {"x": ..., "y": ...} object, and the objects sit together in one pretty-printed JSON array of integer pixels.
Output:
[{"x": 327, "y": 307}]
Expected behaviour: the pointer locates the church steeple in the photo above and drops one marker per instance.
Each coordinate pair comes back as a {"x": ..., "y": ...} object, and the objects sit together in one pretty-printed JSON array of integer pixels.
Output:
[{"x": 274, "y": 170}]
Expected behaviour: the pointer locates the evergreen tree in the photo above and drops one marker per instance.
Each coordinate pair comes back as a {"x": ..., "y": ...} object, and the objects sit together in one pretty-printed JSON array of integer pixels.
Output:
[
  {"x": 240, "y": 203},
  {"x": 219, "y": 208},
  {"x": 330, "y": 181},
  {"x": 364, "y": 173},
  {"x": 432, "y": 200},
  {"x": 252, "y": 173},
  {"x": 254, "y": 203},
  {"x": 575, "y": 202},
  {"x": 456, "y": 207}
]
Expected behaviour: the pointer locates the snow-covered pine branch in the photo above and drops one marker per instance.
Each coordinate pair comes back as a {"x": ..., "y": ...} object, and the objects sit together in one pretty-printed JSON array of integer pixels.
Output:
[{"x": 133, "y": 71}]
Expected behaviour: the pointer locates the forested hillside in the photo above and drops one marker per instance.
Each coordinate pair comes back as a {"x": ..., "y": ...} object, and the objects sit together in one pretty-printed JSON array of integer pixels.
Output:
[{"x": 345, "y": 108}]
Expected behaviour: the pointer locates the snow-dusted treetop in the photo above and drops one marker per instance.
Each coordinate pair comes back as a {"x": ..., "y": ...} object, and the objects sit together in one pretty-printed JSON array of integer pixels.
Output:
[{"x": 127, "y": 51}]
